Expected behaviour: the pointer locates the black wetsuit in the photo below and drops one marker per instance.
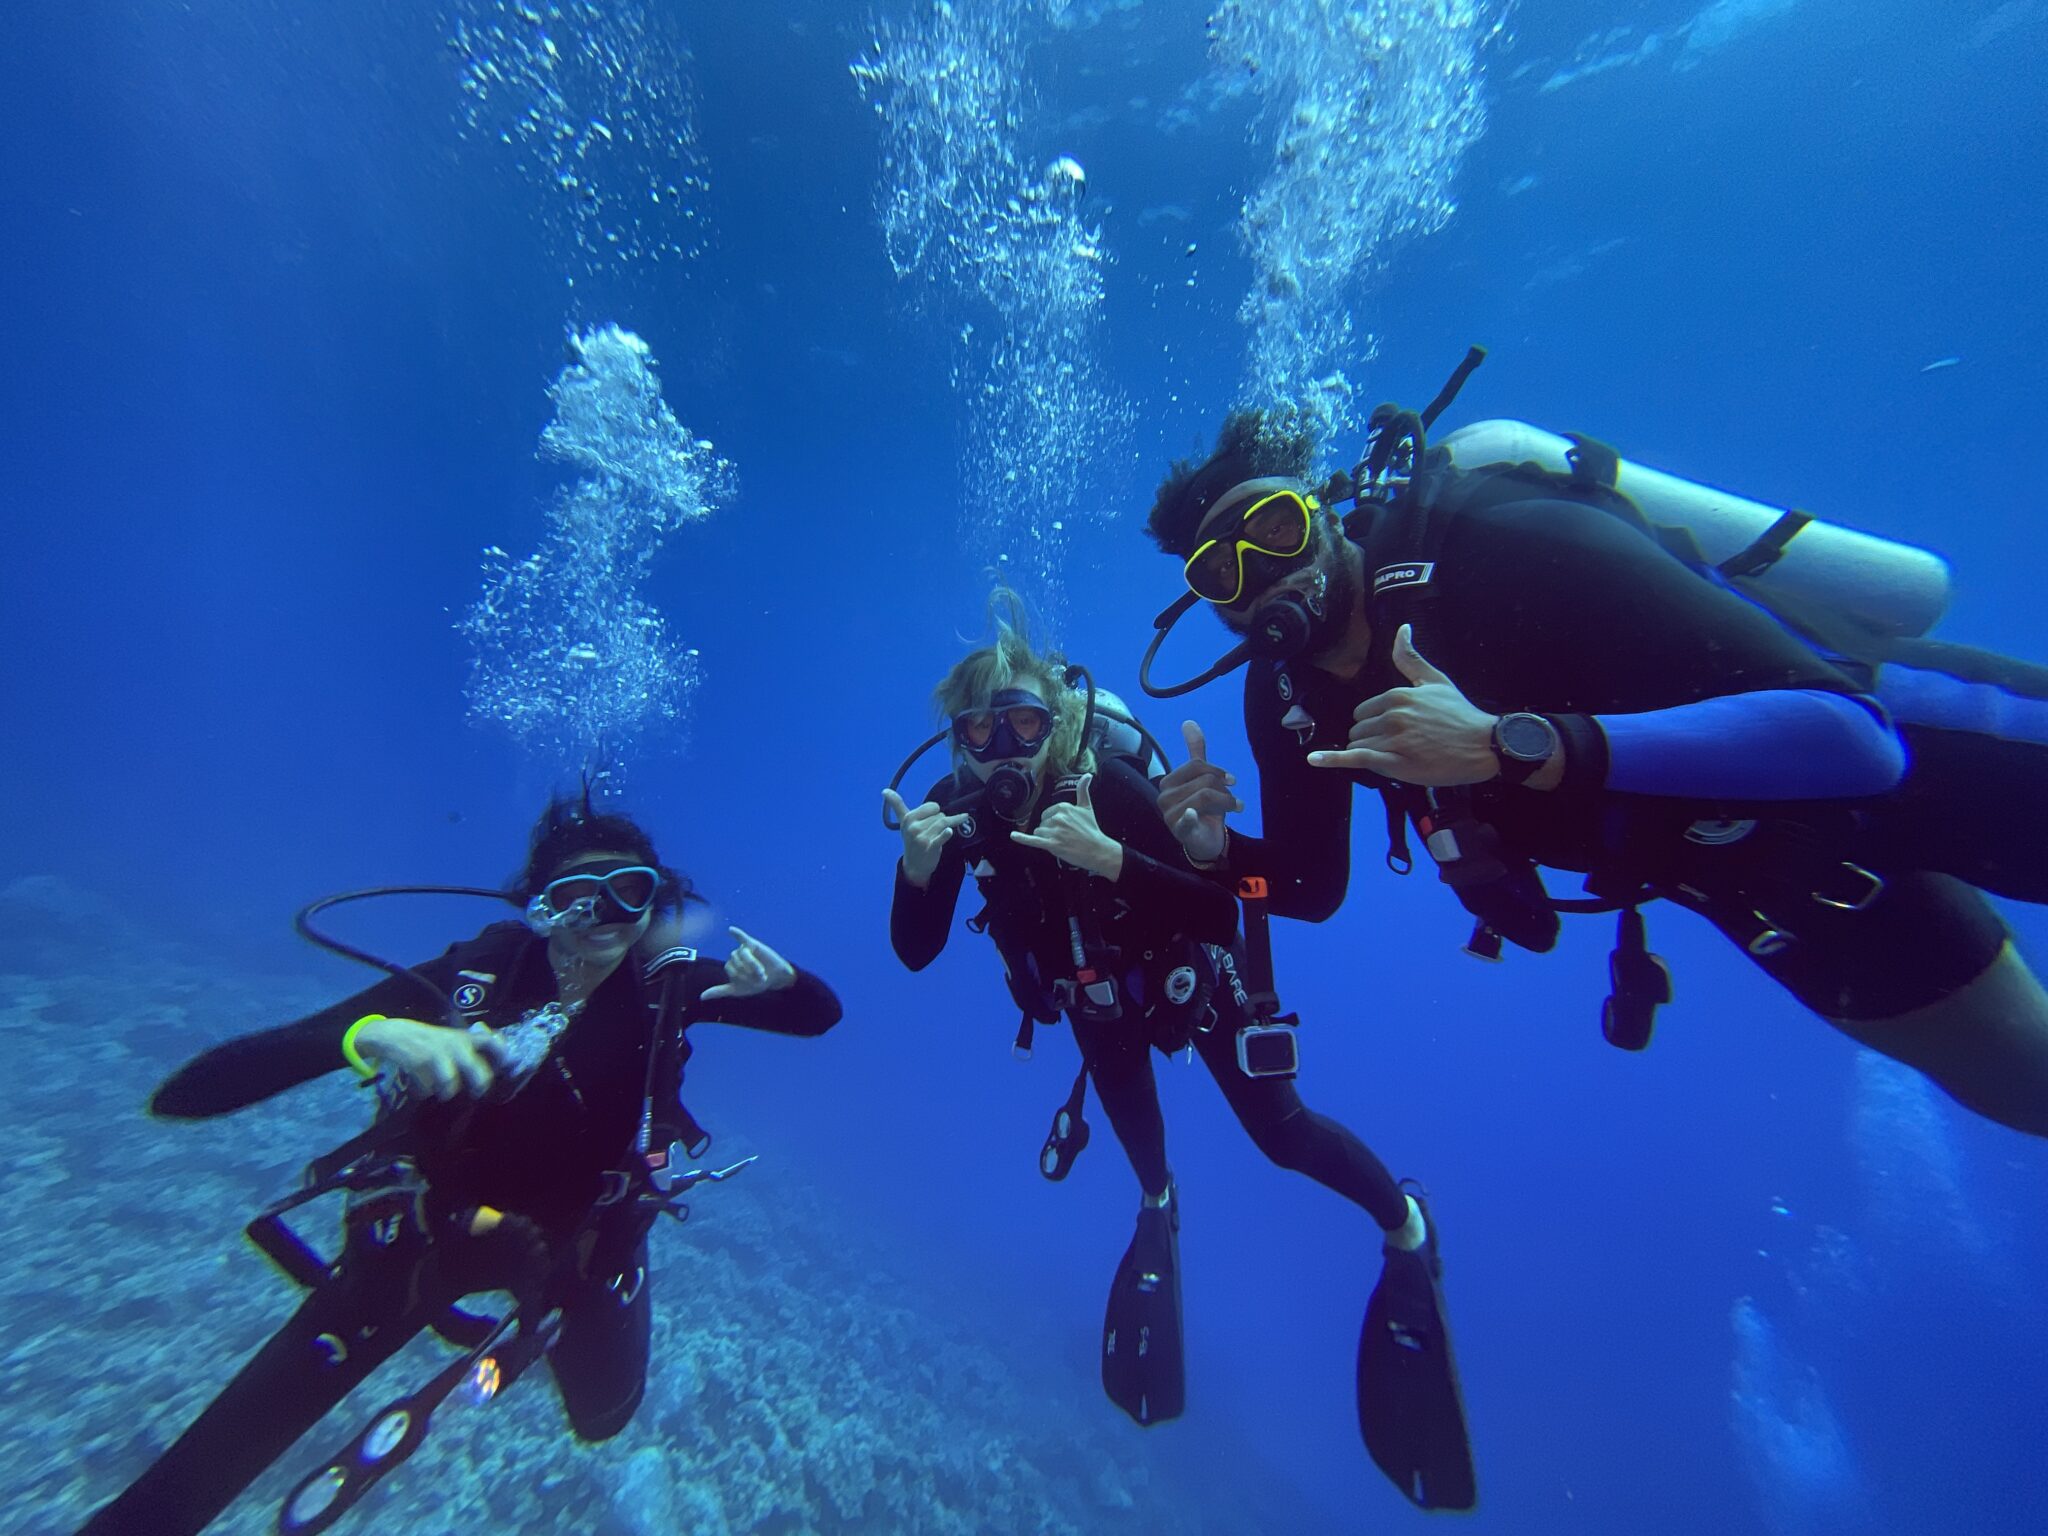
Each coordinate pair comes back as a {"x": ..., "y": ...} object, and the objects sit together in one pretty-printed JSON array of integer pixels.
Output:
[
  {"x": 542, "y": 1155},
  {"x": 1562, "y": 609},
  {"x": 1160, "y": 917}
]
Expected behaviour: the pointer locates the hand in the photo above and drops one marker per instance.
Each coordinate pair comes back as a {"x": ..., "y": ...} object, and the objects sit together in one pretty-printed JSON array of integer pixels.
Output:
[
  {"x": 751, "y": 969},
  {"x": 431, "y": 1057},
  {"x": 1071, "y": 834},
  {"x": 926, "y": 830},
  {"x": 1428, "y": 734},
  {"x": 1195, "y": 797}
]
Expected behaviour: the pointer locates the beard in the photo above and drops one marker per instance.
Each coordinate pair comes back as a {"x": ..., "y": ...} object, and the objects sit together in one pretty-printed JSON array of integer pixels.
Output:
[{"x": 1341, "y": 584}]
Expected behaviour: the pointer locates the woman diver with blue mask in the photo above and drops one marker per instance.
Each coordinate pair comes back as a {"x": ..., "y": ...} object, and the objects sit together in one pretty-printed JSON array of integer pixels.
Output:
[
  {"x": 1098, "y": 917},
  {"x": 526, "y": 1143}
]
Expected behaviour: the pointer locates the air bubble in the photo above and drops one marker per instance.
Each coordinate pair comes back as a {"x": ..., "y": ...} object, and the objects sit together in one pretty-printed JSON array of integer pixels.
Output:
[
  {"x": 1355, "y": 170},
  {"x": 566, "y": 653}
]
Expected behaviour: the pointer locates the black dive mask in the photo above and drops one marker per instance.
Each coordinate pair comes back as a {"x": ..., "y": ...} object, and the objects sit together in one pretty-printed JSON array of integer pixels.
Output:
[{"x": 1017, "y": 724}]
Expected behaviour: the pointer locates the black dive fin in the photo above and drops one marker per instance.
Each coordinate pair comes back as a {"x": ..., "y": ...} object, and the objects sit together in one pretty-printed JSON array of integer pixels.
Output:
[
  {"x": 1141, "y": 1359},
  {"x": 1410, "y": 1409}
]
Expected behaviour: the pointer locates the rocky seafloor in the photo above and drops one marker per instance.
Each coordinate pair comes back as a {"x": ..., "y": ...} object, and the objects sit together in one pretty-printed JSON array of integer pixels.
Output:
[{"x": 799, "y": 1385}]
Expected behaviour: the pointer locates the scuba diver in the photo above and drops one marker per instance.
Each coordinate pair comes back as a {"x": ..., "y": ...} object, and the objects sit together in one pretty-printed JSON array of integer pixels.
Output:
[
  {"x": 1542, "y": 655},
  {"x": 524, "y": 1144},
  {"x": 1096, "y": 917}
]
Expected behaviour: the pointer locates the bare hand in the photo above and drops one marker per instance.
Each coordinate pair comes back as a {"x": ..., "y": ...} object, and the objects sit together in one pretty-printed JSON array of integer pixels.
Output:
[
  {"x": 751, "y": 969},
  {"x": 926, "y": 830},
  {"x": 1071, "y": 834},
  {"x": 1195, "y": 797},
  {"x": 1428, "y": 733},
  {"x": 432, "y": 1058}
]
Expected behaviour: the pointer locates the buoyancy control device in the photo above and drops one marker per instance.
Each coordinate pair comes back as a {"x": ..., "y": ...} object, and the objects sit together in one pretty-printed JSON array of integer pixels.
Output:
[{"x": 1864, "y": 602}]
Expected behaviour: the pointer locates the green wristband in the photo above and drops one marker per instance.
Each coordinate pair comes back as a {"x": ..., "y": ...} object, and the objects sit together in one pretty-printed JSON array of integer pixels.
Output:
[{"x": 348, "y": 1045}]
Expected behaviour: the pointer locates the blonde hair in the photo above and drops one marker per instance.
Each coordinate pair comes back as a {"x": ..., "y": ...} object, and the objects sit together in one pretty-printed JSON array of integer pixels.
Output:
[{"x": 1011, "y": 663}]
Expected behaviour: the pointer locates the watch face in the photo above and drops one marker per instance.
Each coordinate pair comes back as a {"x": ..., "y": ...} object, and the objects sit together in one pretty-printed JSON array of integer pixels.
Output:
[{"x": 1527, "y": 738}]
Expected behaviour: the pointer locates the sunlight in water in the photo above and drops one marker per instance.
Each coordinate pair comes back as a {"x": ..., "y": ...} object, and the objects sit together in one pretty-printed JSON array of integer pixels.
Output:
[
  {"x": 594, "y": 103},
  {"x": 1004, "y": 254},
  {"x": 1371, "y": 109}
]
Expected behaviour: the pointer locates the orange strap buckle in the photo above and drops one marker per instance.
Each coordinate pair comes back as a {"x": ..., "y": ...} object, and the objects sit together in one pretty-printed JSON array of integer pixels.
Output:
[{"x": 1252, "y": 888}]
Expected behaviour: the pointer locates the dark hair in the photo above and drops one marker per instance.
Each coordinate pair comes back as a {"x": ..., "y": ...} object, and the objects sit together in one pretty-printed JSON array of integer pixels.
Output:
[
  {"x": 570, "y": 825},
  {"x": 1251, "y": 446}
]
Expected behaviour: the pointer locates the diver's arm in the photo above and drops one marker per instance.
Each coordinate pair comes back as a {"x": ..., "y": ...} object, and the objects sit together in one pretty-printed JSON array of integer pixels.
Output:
[
  {"x": 244, "y": 1071},
  {"x": 1774, "y": 744},
  {"x": 921, "y": 917},
  {"x": 804, "y": 1007},
  {"x": 1755, "y": 713},
  {"x": 1155, "y": 878}
]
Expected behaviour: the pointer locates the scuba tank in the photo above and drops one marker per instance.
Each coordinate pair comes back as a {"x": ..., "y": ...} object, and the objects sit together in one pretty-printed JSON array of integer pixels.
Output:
[
  {"x": 1114, "y": 730},
  {"x": 1865, "y": 603},
  {"x": 1860, "y": 599},
  {"x": 1888, "y": 588}
]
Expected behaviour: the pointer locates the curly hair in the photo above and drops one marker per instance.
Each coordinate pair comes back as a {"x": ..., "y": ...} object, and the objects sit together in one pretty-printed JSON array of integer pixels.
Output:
[
  {"x": 1252, "y": 445},
  {"x": 571, "y": 825},
  {"x": 1011, "y": 662}
]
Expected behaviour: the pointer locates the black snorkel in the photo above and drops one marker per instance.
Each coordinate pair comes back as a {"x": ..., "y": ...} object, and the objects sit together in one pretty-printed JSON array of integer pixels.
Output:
[{"x": 1292, "y": 622}]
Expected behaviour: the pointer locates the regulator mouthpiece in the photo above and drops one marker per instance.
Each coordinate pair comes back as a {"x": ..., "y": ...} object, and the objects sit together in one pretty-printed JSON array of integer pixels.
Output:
[{"x": 1009, "y": 790}]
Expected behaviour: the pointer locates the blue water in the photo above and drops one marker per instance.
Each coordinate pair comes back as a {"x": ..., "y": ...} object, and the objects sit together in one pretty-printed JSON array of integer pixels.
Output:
[{"x": 286, "y": 315}]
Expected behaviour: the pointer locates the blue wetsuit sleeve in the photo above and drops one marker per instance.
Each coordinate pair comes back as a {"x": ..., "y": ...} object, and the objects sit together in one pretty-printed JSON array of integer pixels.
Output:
[
  {"x": 1774, "y": 744},
  {"x": 1919, "y": 697}
]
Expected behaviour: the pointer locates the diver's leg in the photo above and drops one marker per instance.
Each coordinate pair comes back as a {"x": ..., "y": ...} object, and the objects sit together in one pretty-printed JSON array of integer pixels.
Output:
[
  {"x": 1985, "y": 1044},
  {"x": 1971, "y": 806},
  {"x": 1293, "y": 1135},
  {"x": 1120, "y": 1065},
  {"x": 599, "y": 1359},
  {"x": 1927, "y": 975},
  {"x": 339, "y": 1335},
  {"x": 1143, "y": 1371}
]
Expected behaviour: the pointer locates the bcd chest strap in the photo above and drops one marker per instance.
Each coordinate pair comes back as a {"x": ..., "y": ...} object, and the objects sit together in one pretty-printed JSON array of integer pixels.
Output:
[{"x": 1402, "y": 544}]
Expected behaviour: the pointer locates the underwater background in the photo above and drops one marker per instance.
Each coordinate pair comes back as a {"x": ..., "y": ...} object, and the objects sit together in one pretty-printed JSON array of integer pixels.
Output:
[{"x": 409, "y": 402}]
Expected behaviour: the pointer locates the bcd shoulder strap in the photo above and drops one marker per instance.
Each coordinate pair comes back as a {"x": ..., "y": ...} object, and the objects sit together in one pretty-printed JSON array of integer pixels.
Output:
[{"x": 667, "y": 1053}]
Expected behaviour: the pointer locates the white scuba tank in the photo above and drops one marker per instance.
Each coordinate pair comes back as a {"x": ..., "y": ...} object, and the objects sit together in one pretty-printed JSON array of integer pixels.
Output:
[
  {"x": 1116, "y": 731},
  {"x": 1893, "y": 588}
]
